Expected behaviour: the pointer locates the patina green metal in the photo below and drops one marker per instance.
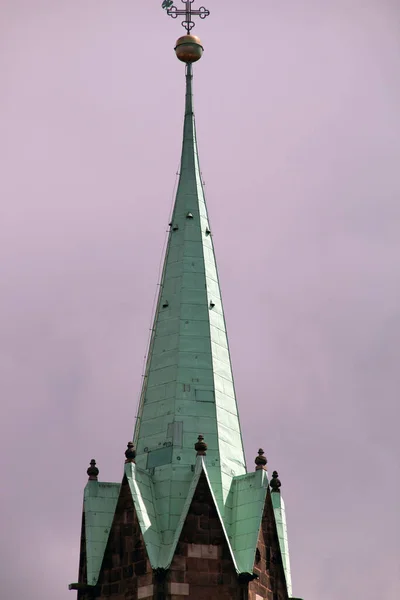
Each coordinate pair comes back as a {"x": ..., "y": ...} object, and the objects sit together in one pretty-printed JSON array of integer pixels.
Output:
[
  {"x": 99, "y": 504},
  {"x": 144, "y": 500},
  {"x": 246, "y": 503},
  {"x": 188, "y": 390},
  {"x": 188, "y": 386},
  {"x": 281, "y": 526}
]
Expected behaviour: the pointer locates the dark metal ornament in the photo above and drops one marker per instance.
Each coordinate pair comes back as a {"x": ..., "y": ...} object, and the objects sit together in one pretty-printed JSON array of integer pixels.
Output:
[
  {"x": 200, "y": 446},
  {"x": 130, "y": 453},
  {"x": 188, "y": 12},
  {"x": 261, "y": 460},
  {"x": 92, "y": 471},
  {"x": 275, "y": 482}
]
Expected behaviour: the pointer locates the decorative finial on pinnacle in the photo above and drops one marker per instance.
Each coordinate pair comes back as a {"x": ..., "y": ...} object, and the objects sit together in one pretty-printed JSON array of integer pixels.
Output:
[
  {"x": 92, "y": 471},
  {"x": 200, "y": 446},
  {"x": 261, "y": 461},
  {"x": 188, "y": 13},
  {"x": 130, "y": 453},
  {"x": 275, "y": 482}
]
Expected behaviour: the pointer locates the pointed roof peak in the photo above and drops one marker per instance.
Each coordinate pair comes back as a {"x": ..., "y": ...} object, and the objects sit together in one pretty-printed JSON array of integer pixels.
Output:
[{"x": 188, "y": 384}]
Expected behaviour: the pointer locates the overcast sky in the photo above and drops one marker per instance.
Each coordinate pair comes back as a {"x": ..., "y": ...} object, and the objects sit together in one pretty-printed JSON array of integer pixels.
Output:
[{"x": 297, "y": 106}]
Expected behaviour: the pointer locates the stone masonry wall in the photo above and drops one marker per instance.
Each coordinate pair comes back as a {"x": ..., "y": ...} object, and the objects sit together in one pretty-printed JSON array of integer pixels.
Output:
[
  {"x": 270, "y": 582},
  {"x": 202, "y": 567}
]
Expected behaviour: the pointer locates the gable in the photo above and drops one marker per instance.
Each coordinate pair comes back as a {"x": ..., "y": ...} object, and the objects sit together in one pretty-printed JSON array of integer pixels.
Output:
[
  {"x": 268, "y": 566},
  {"x": 126, "y": 566},
  {"x": 202, "y": 564}
]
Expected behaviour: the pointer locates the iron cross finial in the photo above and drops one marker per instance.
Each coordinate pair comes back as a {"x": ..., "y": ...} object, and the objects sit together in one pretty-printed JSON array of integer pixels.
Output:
[{"x": 188, "y": 12}]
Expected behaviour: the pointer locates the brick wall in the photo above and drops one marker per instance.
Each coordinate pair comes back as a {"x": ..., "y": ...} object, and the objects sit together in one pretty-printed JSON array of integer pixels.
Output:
[
  {"x": 202, "y": 564},
  {"x": 270, "y": 583}
]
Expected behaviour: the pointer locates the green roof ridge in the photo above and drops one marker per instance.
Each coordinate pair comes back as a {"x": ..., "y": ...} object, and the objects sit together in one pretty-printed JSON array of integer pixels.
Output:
[
  {"x": 143, "y": 496},
  {"x": 281, "y": 527},
  {"x": 247, "y": 499}
]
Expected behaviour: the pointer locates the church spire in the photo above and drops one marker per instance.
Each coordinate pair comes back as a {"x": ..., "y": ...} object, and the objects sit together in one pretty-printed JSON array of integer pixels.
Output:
[
  {"x": 187, "y": 520},
  {"x": 188, "y": 385}
]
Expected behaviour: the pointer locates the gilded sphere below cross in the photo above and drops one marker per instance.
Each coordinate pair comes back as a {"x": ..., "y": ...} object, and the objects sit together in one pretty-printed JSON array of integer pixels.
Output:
[{"x": 189, "y": 49}]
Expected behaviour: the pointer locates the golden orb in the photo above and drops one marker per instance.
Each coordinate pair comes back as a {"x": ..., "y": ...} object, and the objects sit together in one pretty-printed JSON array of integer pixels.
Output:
[{"x": 189, "y": 49}]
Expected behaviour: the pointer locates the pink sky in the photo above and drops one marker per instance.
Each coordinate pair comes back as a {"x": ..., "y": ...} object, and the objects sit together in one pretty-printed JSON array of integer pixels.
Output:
[{"x": 297, "y": 107}]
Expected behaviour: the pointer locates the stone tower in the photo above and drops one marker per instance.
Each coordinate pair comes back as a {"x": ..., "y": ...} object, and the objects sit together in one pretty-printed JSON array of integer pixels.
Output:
[{"x": 188, "y": 520}]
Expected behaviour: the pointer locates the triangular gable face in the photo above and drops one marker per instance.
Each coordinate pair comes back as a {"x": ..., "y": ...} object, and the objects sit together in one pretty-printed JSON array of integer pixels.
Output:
[
  {"x": 202, "y": 565},
  {"x": 126, "y": 571},
  {"x": 270, "y": 582}
]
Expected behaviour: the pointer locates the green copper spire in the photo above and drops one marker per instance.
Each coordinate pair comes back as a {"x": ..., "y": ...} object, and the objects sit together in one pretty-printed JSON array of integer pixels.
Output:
[
  {"x": 188, "y": 386},
  {"x": 187, "y": 450}
]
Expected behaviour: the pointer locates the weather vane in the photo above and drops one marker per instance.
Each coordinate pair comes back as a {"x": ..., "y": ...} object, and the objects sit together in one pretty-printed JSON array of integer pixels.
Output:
[{"x": 188, "y": 13}]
